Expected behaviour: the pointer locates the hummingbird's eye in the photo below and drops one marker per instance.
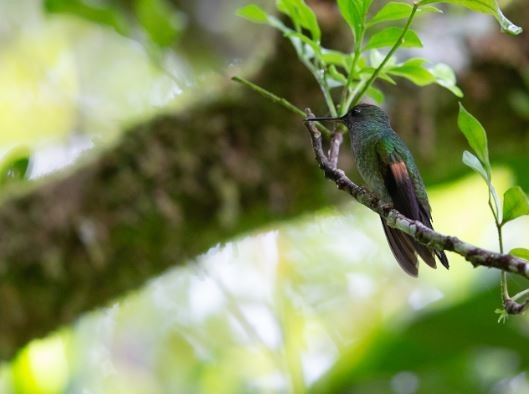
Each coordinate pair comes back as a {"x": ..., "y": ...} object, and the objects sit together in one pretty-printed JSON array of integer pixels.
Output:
[{"x": 356, "y": 110}]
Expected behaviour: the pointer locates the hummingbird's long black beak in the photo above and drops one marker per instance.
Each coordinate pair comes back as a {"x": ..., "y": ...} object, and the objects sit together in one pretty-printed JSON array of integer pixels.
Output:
[{"x": 315, "y": 119}]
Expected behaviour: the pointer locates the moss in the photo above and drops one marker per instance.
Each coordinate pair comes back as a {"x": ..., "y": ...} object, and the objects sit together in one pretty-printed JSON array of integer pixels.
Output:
[{"x": 170, "y": 189}]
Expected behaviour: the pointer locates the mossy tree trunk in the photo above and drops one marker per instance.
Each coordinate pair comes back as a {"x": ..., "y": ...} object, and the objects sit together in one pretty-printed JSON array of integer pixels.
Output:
[{"x": 170, "y": 189}]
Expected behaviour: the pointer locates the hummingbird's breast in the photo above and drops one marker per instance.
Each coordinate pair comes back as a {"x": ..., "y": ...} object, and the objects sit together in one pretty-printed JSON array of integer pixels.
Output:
[{"x": 364, "y": 145}]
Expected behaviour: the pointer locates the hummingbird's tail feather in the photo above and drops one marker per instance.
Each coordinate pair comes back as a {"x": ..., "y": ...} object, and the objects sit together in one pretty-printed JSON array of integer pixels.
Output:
[
  {"x": 426, "y": 219},
  {"x": 425, "y": 253},
  {"x": 403, "y": 249},
  {"x": 442, "y": 258},
  {"x": 406, "y": 191}
]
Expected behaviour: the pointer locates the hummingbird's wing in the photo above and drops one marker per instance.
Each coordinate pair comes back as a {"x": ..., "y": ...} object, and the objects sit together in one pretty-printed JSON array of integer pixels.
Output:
[{"x": 401, "y": 188}]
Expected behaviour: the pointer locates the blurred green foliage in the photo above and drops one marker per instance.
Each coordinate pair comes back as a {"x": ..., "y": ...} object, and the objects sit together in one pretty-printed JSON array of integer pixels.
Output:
[
  {"x": 161, "y": 22},
  {"x": 14, "y": 165},
  {"x": 106, "y": 13}
]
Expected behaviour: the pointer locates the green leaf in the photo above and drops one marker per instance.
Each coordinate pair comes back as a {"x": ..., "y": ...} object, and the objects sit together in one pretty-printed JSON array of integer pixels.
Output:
[
  {"x": 382, "y": 75},
  {"x": 503, "y": 315},
  {"x": 389, "y": 36},
  {"x": 160, "y": 20},
  {"x": 390, "y": 12},
  {"x": 351, "y": 14},
  {"x": 515, "y": 204},
  {"x": 475, "y": 135},
  {"x": 520, "y": 252},
  {"x": 429, "y": 8},
  {"x": 376, "y": 94},
  {"x": 337, "y": 58},
  {"x": 484, "y": 6},
  {"x": 253, "y": 13},
  {"x": 445, "y": 77},
  {"x": 301, "y": 15},
  {"x": 375, "y": 58},
  {"x": 99, "y": 12},
  {"x": 256, "y": 14},
  {"x": 396, "y": 11},
  {"x": 335, "y": 78},
  {"x": 413, "y": 70},
  {"x": 473, "y": 162},
  {"x": 354, "y": 12},
  {"x": 385, "y": 77},
  {"x": 311, "y": 48},
  {"x": 14, "y": 165}
]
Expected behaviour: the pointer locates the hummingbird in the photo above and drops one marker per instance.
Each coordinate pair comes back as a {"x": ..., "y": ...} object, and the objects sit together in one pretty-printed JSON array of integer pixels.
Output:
[{"x": 387, "y": 167}]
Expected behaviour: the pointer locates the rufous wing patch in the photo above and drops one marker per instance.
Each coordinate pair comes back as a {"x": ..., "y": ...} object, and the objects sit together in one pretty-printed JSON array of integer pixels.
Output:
[{"x": 399, "y": 171}]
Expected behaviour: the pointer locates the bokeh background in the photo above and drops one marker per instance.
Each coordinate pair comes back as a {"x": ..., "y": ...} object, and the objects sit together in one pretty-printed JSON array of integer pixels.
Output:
[{"x": 313, "y": 304}]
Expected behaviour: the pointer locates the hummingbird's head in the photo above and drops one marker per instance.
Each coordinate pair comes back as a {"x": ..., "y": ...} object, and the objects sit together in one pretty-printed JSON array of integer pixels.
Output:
[
  {"x": 364, "y": 113},
  {"x": 360, "y": 113}
]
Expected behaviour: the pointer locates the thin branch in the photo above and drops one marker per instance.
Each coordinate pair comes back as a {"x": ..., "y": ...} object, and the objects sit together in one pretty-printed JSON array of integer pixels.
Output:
[
  {"x": 275, "y": 99},
  {"x": 322, "y": 83},
  {"x": 475, "y": 255},
  {"x": 521, "y": 294},
  {"x": 278, "y": 100},
  {"x": 334, "y": 149}
]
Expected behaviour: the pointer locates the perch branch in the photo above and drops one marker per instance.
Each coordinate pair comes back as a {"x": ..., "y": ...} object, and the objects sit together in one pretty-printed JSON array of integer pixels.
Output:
[{"x": 475, "y": 255}]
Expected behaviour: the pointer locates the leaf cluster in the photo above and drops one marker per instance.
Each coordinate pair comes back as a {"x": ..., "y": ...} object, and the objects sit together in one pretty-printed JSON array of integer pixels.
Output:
[
  {"x": 160, "y": 22},
  {"x": 515, "y": 201},
  {"x": 369, "y": 60}
]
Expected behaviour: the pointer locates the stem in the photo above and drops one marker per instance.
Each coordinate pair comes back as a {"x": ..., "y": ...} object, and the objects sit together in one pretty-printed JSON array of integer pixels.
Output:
[
  {"x": 521, "y": 294},
  {"x": 353, "y": 100},
  {"x": 503, "y": 277},
  {"x": 327, "y": 94},
  {"x": 271, "y": 96},
  {"x": 509, "y": 303},
  {"x": 278, "y": 100},
  {"x": 322, "y": 83},
  {"x": 500, "y": 238},
  {"x": 356, "y": 56},
  {"x": 496, "y": 219},
  {"x": 504, "y": 286}
]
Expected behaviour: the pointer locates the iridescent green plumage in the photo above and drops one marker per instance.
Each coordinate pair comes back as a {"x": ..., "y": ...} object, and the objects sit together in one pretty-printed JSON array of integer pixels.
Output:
[{"x": 387, "y": 166}]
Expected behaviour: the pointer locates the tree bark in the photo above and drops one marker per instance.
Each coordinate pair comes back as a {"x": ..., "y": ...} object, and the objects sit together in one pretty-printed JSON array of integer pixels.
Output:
[{"x": 170, "y": 189}]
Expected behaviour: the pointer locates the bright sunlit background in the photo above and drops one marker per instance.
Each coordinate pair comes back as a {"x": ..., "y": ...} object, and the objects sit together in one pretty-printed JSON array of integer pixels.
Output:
[{"x": 317, "y": 304}]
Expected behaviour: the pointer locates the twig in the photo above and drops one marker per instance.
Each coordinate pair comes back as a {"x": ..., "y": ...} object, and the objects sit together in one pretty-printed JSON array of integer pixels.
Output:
[
  {"x": 475, "y": 255},
  {"x": 509, "y": 303},
  {"x": 278, "y": 100},
  {"x": 334, "y": 148}
]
